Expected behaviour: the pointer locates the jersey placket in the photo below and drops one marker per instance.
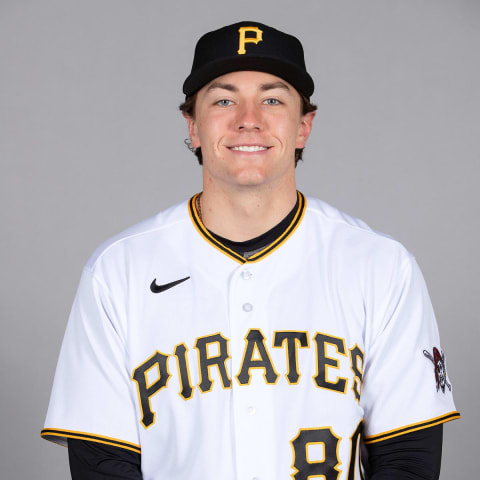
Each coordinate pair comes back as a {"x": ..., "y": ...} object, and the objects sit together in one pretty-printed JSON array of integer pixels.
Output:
[{"x": 251, "y": 416}]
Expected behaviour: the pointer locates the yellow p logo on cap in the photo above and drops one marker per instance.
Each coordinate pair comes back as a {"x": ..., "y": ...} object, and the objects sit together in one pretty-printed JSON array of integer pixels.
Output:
[{"x": 243, "y": 40}]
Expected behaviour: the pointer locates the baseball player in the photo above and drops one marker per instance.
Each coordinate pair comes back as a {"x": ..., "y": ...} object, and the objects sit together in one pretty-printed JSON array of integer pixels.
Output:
[{"x": 251, "y": 332}]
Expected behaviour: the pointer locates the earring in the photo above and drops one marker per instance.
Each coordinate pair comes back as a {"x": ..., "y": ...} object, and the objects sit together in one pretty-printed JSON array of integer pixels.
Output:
[{"x": 189, "y": 145}]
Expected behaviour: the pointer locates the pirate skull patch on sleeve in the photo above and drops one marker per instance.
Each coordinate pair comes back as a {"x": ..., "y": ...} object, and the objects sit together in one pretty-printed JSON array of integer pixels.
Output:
[{"x": 438, "y": 361}]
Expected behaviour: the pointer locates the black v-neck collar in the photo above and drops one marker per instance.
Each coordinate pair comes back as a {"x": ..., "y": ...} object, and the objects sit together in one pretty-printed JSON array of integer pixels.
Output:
[
  {"x": 267, "y": 242},
  {"x": 249, "y": 247}
]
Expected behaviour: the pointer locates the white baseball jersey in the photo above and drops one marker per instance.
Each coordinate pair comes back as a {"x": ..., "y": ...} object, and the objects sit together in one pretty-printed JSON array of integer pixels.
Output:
[{"x": 271, "y": 368}]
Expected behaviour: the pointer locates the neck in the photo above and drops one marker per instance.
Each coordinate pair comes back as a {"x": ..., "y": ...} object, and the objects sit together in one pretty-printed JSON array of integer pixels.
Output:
[{"x": 245, "y": 213}]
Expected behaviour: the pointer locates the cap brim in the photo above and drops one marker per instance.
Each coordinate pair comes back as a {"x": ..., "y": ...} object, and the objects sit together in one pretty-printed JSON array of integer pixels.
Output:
[{"x": 290, "y": 72}]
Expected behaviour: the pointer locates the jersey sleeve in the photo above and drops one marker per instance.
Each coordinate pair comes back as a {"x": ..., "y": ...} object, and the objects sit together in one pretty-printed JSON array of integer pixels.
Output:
[
  {"x": 91, "y": 398},
  {"x": 405, "y": 384}
]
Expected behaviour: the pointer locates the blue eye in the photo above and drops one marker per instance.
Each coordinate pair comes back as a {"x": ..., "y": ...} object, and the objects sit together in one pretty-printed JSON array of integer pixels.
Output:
[
  {"x": 224, "y": 102},
  {"x": 272, "y": 101}
]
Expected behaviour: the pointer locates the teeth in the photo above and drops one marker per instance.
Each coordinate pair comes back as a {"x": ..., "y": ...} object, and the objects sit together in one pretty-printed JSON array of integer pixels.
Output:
[{"x": 247, "y": 148}]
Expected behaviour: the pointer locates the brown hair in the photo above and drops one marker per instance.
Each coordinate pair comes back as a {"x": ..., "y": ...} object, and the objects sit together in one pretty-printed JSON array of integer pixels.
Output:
[{"x": 188, "y": 108}]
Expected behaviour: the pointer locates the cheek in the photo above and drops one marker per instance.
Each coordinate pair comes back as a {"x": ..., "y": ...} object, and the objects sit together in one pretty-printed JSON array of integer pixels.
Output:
[
  {"x": 285, "y": 126},
  {"x": 288, "y": 132},
  {"x": 210, "y": 132}
]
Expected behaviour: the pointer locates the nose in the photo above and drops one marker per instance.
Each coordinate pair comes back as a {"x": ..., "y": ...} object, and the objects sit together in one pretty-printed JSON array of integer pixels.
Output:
[{"x": 249, "y": 118}]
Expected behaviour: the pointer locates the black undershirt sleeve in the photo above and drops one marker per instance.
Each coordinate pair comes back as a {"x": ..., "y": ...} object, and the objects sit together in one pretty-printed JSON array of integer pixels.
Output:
[
  {"x": 413, "y": 456},
  {"x": 96, "y": 461}
]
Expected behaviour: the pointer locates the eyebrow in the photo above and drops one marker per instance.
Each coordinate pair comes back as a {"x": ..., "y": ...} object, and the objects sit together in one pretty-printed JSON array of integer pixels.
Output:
[
  {"x": 224, "y": 86},
  {"x": 232, "y": 88},
  {"x": 270, "y": 86}
]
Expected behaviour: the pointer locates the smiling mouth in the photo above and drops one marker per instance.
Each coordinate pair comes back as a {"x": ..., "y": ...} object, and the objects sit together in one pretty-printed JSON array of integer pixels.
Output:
[{"x": 248, "y": 148}]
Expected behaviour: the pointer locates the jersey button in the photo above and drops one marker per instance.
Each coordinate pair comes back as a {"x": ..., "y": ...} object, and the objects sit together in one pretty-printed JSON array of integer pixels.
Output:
[
  {"x": 247, "y": 274},
  {"x": 251, "y": 411},
  {"x": 247, "y": 307}
]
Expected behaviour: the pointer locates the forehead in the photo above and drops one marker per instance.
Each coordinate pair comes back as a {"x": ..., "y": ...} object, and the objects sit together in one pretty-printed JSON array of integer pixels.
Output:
[{"x": 248, "y": 80}]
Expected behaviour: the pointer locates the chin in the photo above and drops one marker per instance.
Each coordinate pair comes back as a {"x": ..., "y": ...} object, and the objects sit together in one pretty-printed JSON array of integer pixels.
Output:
[{"x": 250, "y": 179}]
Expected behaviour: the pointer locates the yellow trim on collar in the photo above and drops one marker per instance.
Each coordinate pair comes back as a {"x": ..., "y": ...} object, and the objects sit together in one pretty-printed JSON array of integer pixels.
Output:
[{"x": 197, "y": 222}]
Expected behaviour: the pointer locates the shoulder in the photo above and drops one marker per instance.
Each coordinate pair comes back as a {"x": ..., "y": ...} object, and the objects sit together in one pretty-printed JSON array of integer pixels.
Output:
[
  {"x": 344, "y": 234},
  {"x": 166, "y": 226},
  {"x": 368, "y": 266},
  {"x": 335, "y": 218}
]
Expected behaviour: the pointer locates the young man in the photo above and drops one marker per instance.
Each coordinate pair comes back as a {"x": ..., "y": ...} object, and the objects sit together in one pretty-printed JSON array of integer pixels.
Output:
[{"x": 251, "y": 332}]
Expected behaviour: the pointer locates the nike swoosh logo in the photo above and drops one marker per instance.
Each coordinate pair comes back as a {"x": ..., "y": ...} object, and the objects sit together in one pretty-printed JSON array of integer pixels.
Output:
[{"x": 161, "y": 288}]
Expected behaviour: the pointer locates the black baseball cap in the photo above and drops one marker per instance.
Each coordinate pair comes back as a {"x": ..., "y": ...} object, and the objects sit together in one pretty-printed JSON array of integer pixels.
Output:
[{"x": 248, "y": 46}]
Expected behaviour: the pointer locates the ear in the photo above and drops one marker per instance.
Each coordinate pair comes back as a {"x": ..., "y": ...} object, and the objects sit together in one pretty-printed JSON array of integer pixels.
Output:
[
  {"x": 192, "y": 130},
  {"x": 305, "y": 127}
]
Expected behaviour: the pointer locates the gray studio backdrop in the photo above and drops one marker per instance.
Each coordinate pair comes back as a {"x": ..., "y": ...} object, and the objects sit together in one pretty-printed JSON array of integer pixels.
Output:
[{"x": 91, "y": 141}]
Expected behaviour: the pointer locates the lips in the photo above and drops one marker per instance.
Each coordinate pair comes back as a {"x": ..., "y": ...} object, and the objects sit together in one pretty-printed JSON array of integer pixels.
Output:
[{"x": 248, "y": 148}]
